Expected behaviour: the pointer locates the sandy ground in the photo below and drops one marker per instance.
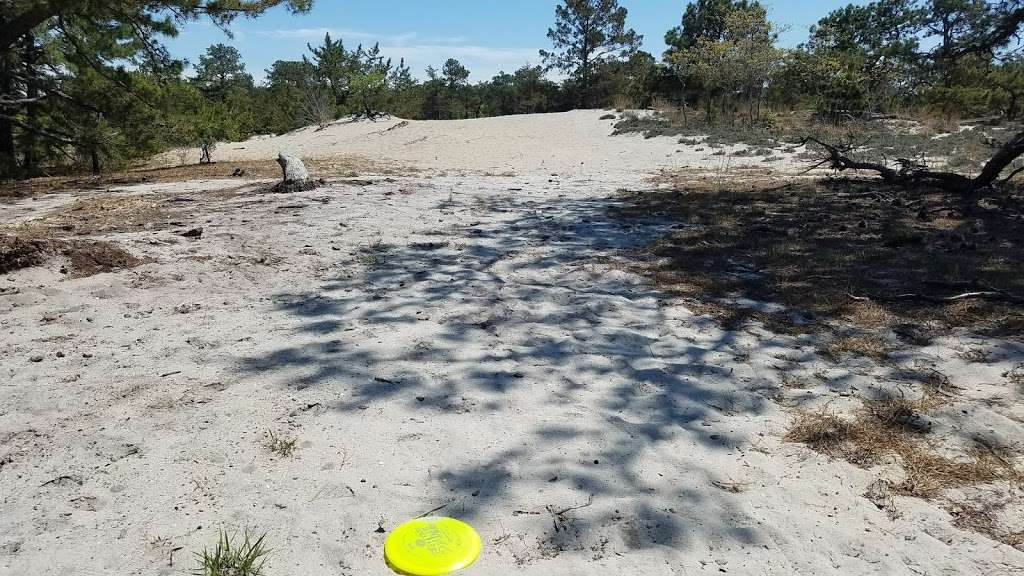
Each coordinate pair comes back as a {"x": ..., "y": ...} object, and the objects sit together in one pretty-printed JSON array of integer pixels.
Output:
[
  {"x": 571, "y": 145},
  {"x": 449, "y": 343}
]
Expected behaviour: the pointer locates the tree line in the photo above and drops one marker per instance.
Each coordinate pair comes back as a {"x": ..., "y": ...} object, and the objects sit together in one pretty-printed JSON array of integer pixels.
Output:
[{"x": 89, "y": 84}]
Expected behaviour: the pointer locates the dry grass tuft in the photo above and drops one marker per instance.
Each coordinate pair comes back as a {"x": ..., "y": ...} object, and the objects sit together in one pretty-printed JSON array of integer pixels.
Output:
[
  {"x": 983, "y": 518},
  {"x": 976, "y": 356},
  {"x": 897, "y": 412},
  {"x": 1015, "y": 375},
  {"x": 928, "y": 474},
  {"x": 894, "y": 426},
  {"x": 868, "y": 346},
  {"x": 824, "y": 432},
  {"x": 284, "y": 447}
]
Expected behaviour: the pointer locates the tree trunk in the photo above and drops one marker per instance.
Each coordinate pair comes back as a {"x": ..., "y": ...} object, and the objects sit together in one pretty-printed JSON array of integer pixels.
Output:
[
  {"x": 585, "y": 84},
  {"x": 1002, "y": 158},
  {"x": 31, "y": 91},
  {"x": 1013, "y": 108},
  {"x": 95, "y": 156},
  {"x": 8, "y": 164}
]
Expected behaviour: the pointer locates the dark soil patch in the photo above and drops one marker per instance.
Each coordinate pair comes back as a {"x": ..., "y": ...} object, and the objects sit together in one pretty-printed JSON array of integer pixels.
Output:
[
  {"x": 84, "y": 257},
  {"x": 248, "y": 170},
  {"x": 91, "y": 258},
  {"x": 17, "y": 253}
]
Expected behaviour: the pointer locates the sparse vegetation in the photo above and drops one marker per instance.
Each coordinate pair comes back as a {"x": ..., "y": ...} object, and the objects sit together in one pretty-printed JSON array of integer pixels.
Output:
[
  {"x": 976, "y": 355},
  {"x": 869, "y": 346},
  {"x": 283, "y": 447},
  {"x": 835, "y": 249},
  {"x": 1015, "y": 376},
  {"x": 372, "y": 255},
  {"x": 231, "y": 558},
  {"x": 895, "y": 425}
]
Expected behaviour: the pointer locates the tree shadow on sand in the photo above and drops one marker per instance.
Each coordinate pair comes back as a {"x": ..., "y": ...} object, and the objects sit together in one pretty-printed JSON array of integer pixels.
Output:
[{"x": 606, "y": 402}]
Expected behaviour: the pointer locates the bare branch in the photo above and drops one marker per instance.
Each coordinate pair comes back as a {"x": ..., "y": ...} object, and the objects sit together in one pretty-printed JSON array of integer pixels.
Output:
[
  {"x": 930, "y": 298},
  {"x": 913, "y": 173}
]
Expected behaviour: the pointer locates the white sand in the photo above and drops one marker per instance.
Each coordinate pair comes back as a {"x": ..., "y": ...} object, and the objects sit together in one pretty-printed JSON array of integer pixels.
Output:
[
  {"x": 572, "y": 144},
  {"x": 437, "y": 342}
]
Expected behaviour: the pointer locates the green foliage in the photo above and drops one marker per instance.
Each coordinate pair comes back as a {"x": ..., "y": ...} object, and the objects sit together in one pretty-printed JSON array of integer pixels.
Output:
[
  {"x": 88, "y": 84},
  {"x": 588, "y": 34},
  {"x": 896, "y": 53},
  {"x": 220, "y": 71},
  {"x": 704, "y": 19},
  {"x": 332, "y": 65},
  {"x": 247, "y": 558},
  {"x": 83, "y": 81},
  {"x": 1008, "y": 80},
  {"x": 737, "y": 66}
]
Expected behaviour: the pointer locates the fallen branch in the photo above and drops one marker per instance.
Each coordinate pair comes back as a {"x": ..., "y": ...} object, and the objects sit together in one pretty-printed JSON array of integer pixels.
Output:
[
  {"x": 992, "y": 295},
  {"x": 910, "y": 173}
]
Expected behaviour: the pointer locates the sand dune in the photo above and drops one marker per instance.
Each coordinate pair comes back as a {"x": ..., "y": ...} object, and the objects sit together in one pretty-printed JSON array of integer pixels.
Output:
[{"x": 572, "y": 144}]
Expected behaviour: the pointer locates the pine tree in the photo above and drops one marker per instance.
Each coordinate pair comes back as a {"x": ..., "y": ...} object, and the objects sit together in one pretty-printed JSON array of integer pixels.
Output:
[
  {"x": 704, "y": 19},
  {"x": 75, "y": 74},
  {"x": 334, "y": 66},
  {"x": 588, "y": 34},
  {"x": 220, "y": 69}
]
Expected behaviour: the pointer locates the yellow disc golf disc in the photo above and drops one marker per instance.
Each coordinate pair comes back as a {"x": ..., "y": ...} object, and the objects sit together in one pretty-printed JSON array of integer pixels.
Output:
[{"x": 432, "y": 547}]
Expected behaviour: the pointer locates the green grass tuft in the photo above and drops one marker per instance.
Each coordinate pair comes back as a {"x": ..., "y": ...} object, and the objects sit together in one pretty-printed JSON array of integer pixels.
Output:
[
  {"x": 228, "y": 559},
  {"x": 281, "y": 446}
]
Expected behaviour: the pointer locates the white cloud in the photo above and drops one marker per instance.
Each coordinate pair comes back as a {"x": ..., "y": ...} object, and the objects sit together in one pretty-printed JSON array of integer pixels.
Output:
[
  {"x": 343, "y": 33},
  {"x": 482, "y": 61}
]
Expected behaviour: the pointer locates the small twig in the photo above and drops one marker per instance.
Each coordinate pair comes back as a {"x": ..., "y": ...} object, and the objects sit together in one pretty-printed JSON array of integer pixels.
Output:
[
  {"x": 429, "y": 512},
  {"x": 170, "y": 374},
  {"x": 59, "y": 479},
  {"x": 170, "y": 559},
  {"x": 590, "y": 500}
]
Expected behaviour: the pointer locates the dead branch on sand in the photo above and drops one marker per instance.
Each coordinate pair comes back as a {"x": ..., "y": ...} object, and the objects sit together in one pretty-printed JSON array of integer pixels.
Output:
[{"x": 911, "y": 173}]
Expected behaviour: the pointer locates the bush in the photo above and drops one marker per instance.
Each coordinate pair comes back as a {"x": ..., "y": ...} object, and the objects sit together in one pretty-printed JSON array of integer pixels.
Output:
[
  {"x": 650, "y": 125},
  {"x": 318, "y": 108}
]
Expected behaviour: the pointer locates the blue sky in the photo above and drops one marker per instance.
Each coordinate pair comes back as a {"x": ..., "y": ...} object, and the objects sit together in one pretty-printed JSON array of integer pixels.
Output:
[{"x": 485, "y": 35}]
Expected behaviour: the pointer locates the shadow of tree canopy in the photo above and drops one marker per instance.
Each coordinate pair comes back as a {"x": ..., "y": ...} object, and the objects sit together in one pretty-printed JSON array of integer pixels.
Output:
[
  {"x": 810, "y": 244},
  {"x": 563, "y": 395}
]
